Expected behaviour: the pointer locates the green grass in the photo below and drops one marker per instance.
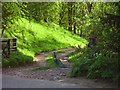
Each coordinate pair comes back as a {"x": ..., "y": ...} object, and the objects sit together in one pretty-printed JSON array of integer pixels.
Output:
[
  {"x": 17, "y": 59},
  {"x": 73, "y": 56},
  {"x": 50, "y": 61},
  {"x": 35, "y": 37}
]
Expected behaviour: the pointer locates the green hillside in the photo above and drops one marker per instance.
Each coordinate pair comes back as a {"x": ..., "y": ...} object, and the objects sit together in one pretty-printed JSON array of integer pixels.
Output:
[{"x": 37, "y": 37}]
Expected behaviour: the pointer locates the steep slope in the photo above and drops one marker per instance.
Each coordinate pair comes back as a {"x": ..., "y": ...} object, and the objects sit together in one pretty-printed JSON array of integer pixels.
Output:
[{"x": 35, "y": 37}]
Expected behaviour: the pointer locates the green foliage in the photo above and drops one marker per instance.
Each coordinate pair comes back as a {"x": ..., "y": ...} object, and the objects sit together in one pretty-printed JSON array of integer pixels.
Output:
[
  {"x": 48, "y": 38},
  {"x": 111, "y": 38},
  {"x": 104, "y": 66},
  {"x": 81, "y": 62},
  {"x": 36, "y": 27},
  {"x": 48, "y": 11},
  {"x": 95, "y": 63},
  {"x": 11, "y": 12},
  {"x": 102, "y": 60},
  {"x": 17, "y": 59},
  {"x": 50, "y": 61},
  {"x": 5, "y": 63},
  {"x": 35, "y": 37}
]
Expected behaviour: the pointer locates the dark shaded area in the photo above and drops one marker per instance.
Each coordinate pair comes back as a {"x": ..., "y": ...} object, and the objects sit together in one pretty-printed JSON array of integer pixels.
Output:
[
  {"x": 92, "y": 41},
  {"x": 111, "y": 20},
  {"x": 17, "y": 59}
]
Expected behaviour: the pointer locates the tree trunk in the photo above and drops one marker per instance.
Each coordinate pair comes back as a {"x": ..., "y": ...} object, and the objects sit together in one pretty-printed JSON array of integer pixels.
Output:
[
  {"x": 89, "y": 5},
  {"x": 61, "y": 15},
  {"x": 60, "y": 20},
  {"x": 74, "y": 19},
  {"x": 2, "y": 32},
  {"x": 80, "y": 33},
  {"x": 69, "y": 16},
  {"x": 75, "y": 28}
]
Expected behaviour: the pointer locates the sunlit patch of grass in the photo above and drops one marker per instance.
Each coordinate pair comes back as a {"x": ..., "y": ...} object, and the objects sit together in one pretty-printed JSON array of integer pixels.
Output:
[
  {"x": 50, "y": 56},
  {"x": 35, "y": 37},
  {"x": 50, "y": 61},
  {"x": 74, "y": 56}
]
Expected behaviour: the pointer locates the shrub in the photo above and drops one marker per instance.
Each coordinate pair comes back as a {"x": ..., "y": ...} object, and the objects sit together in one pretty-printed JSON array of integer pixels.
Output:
[
  {"x": 97, "y": 64},
  {"x": 16, "y": 59},
  {"x": 104, "y": 67},
  {"x": 5, "y": 63},
  {"x": 81, "y": 62}
]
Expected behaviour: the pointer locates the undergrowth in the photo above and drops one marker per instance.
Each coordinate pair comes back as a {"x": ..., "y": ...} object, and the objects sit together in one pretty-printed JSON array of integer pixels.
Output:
[
  {"x": 17, "y": 59},
  {"x": 35, "y": 37},
  {"x": 94, "y": 63}
]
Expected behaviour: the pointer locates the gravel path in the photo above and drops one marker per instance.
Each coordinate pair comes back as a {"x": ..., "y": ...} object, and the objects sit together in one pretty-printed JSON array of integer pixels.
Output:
[
  {"x": 54, "y": 74},
  {"x": 16, "y": 82}
]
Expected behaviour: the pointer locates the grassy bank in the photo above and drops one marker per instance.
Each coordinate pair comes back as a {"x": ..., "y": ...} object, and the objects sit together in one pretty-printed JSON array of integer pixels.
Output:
[{"x": 35, "y": 37}]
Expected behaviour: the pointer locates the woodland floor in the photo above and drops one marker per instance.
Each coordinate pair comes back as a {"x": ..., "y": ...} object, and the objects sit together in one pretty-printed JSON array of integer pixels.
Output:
[{"x": 56, "y": 74}]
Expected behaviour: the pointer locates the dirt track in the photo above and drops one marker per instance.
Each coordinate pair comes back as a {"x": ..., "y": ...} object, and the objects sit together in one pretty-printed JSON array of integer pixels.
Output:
[{"x": 55, "y": 74}]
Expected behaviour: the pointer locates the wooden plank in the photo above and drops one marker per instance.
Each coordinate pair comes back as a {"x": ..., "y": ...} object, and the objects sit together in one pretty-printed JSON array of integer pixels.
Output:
[
  {"x": 13, "y": 50},
  {"x": 13, "y": 47}
]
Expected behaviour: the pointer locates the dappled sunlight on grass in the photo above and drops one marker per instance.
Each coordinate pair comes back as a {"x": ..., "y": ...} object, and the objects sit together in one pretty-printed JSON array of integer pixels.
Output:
[
  {"x": 35, "y": 37},
  {"x": 74, "y": 55},
  {"x": 45, "y": 37}
]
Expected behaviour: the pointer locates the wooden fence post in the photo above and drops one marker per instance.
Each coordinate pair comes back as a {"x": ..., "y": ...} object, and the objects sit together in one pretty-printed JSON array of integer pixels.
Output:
[
  {"x": 14, "y": 43},
  {"x": 8, "y": 45},
  {"x": 0, "y": 48}
]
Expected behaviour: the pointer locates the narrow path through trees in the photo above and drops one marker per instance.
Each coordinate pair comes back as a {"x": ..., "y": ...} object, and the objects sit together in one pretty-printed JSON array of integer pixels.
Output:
[{"x": 54, "y": 74}]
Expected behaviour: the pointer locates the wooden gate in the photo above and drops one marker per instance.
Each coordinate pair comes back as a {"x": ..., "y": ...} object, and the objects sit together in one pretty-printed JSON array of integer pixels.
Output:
[{"x": 8, "y": 45}]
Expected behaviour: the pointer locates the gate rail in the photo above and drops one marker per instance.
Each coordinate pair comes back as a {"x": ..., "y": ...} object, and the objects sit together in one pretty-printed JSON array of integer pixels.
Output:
[{"x": 8, "y": 46}]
